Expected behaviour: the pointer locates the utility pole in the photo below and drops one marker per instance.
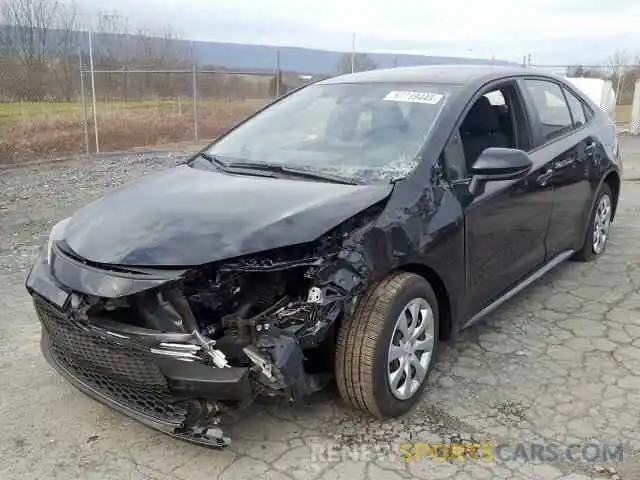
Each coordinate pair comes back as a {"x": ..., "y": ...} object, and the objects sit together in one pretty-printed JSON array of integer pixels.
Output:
[{"x": 353, "y": 53}]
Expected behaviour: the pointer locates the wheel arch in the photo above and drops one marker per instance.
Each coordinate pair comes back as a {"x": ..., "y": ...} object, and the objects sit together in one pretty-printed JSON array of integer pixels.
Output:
[
  {"x": 442, "y": 294},
  {"x": 612, "y": 179}
]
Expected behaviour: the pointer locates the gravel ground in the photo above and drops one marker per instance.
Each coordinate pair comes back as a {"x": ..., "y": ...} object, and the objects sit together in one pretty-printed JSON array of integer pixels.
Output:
[{"x": 560, "y": 362}]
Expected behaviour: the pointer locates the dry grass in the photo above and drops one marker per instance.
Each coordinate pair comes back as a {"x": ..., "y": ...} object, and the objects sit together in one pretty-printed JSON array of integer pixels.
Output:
[
  {"x": 39, "y": 131},
  {"x": 623, "y": 114},
  {"x": 31, "y": 131}
]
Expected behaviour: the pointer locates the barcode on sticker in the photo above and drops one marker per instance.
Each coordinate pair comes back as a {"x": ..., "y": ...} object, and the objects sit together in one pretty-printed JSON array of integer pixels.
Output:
[{"x": 414, "y": 97}]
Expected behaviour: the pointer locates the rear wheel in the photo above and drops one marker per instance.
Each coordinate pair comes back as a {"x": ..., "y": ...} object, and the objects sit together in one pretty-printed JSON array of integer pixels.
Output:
[
  {"x": 385, "y": 351},
  {"x": 597, "y": 234}
]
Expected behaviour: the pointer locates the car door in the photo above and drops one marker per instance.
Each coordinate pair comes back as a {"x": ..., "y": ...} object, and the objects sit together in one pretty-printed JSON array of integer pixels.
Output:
[
  {"x": 562, "y": 134},
  {"x": 505, "y": 226}
]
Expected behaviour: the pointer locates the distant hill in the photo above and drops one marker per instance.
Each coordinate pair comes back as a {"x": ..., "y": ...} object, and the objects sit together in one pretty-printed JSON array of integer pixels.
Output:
[
  {"x": 230, "y": 55},
  {"x": 306, "y": 60}
]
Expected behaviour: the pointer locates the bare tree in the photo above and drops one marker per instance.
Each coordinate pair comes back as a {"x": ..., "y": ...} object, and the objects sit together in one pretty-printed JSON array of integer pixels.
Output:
[
  {"x": 66, "y": 24},
  {"x": 361, "y": 62},
  {"x": 28, "y": 25},
  {"x": 112, "y": 51},
  {"x": 576, "y": 71},
  {"x": 159, "y": 48},
  {"x": 113, "y": 40},
  {"x": 26, "y": 37},
  {"x": 623, "y": 75}
]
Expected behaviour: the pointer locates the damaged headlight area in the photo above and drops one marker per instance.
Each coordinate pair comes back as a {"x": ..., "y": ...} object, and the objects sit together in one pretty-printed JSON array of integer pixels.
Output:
[
  {"x": 56, "y": 233},
  {"x": 258, "y": 320},
  {"x": 195, "y": 350}
]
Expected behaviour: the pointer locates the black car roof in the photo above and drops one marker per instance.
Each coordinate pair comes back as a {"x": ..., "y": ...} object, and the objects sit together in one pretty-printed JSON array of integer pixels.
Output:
[{"x": 445, "y": 74}]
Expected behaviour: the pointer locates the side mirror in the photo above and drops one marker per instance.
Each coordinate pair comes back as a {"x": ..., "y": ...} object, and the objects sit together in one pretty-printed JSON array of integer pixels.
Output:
[{"x": 496, "y": 164}]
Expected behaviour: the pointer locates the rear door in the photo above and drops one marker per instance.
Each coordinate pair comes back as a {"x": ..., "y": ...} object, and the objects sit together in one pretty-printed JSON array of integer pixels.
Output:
[
  {"x": 562, "y": 135},
  {"x": 506, "y": 224}
]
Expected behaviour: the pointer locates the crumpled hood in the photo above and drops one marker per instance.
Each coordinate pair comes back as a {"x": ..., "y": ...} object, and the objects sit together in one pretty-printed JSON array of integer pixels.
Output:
[{"x": 185, "y": 216}]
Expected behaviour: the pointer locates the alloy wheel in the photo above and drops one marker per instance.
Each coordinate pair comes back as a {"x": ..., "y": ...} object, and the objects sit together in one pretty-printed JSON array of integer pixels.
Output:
[
  {"x": 601, "y": 224},
  {"x": 410, "y": 350}
]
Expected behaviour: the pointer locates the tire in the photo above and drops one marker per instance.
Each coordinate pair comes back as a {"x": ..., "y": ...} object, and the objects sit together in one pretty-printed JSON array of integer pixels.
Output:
[
  {"x": 364, "y": 340},
  {"x": 588, "y": 252}
]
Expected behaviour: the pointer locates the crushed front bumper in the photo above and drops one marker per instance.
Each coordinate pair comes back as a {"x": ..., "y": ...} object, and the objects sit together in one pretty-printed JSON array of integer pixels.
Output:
[
  {"x": 117, "y": 365},
  {"x": 177, "y": 382},
  {"x": 164, "y": 394}
]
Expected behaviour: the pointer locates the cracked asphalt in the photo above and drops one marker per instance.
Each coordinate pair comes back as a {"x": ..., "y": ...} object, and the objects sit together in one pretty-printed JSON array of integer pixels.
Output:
[{"x": 559, "y": 364}]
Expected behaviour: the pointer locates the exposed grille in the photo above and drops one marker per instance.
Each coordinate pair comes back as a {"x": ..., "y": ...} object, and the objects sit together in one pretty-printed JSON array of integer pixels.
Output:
[{"x": 120, "y": 371}]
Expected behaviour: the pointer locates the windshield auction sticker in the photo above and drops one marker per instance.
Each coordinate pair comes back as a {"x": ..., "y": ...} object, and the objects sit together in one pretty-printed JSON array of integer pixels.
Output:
[{"x": 414, "y": 97}]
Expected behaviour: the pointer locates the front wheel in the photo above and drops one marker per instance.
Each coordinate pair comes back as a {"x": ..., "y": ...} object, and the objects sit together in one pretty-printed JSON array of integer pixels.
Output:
[
  {"x": 385, "y": 350},
  {"x": 597, "y": 234}
]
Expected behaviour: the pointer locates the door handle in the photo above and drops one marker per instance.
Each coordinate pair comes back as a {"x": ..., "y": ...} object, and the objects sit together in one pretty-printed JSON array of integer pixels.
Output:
[{"x": 544, "y": 178}]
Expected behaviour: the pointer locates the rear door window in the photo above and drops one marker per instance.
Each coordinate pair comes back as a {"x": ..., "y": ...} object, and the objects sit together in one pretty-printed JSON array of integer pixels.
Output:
[{"x": 552, "y": 108}]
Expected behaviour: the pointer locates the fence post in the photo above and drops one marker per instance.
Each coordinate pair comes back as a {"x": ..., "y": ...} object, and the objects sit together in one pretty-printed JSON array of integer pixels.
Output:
[
  {"x": 84, "y": 105},
  {"x": 195, "y": 103},
  {"x": 93, "y": 91},
  {"x": 124, "y": 85},
  {"x": 278, "y": 73},
  {"x": 635, "y": 110}
]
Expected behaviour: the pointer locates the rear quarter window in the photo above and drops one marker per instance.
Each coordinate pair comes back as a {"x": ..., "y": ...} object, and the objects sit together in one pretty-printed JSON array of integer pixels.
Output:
[{"x": 577, "y": 108}]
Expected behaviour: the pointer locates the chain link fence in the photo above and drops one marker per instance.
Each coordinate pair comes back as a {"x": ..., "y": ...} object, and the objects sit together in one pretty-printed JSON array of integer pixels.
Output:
[
  {"x": 61, "y": 110},
  {"x": 114, "y": 110},
  {"x": 58, "y": 107}
]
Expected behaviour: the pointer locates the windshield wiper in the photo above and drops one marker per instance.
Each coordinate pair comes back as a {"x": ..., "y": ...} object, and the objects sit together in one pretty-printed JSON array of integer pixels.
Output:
[
  {"x": 213, "y": 159},
  {"x": 227, "y": 168},
  {"x": 300, "y": 172}
]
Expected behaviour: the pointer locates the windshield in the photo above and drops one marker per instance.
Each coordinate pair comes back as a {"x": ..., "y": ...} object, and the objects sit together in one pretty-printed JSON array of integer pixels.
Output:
[{"x": 367, "y": 133}]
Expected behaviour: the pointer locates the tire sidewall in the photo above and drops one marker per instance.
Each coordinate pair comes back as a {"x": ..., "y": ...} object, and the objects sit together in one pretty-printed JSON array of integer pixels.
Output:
[
  {"x": 389, "y": 405},
  {"x": 588, "y": 246}
]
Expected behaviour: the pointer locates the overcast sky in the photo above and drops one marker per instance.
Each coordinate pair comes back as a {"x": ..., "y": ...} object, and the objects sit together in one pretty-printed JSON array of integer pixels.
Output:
[{"x": 553, "y": 31}]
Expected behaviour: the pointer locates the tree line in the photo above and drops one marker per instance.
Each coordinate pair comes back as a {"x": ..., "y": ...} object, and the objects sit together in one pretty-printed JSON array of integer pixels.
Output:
[
  {"x": 44, "y": 46},
  {"x": 619, "y": 69}
]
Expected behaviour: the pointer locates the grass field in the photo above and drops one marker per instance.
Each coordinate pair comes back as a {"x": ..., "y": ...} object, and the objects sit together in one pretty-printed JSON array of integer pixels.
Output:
[
  {"x": 23, "y": 110},
  {"x": 43, "y": 130},
  {"x": 49, "y": 129}
]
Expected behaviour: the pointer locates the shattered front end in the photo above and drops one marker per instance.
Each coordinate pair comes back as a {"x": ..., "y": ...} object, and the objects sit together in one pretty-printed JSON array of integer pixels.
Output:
[{"x": 180, "y": 350}]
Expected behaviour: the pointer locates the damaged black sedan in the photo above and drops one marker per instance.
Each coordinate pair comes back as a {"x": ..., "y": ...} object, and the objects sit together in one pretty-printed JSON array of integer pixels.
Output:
[{"x": 341, "y": 232}]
